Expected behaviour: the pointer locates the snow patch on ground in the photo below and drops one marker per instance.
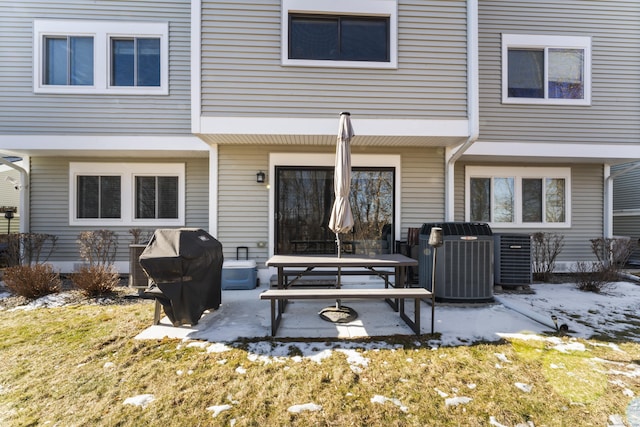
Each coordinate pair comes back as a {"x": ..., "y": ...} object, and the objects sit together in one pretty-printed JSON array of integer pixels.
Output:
[
  {"x": 141, "y": 400},
  {"x": 296, "y": 409},
  {"x": 382, "y": 400}
]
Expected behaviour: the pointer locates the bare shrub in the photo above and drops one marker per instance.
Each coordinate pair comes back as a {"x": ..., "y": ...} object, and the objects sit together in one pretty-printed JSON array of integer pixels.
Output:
[
  {"x": 32, "y": 281},
  {"x": 95, "y": 280},
  {"x": 612, "y": 253},
  {"x": 546, "y": 248},
  {"x": 140, "y": 236},
  {"x": 98, "y": 247},
  {"x": 29, "y": 248},
  {"x": 592, "y": 277}
]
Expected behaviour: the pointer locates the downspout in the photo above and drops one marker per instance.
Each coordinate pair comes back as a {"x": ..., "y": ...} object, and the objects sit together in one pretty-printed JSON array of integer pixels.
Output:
[
  {"x": 473, "y": 110},
  {"x": 608, "y": 196},
  {"x": 23, "y": 187}
]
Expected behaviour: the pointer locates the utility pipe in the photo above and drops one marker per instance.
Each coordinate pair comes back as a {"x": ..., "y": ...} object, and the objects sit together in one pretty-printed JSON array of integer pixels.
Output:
[
  {"x": 23, "y": 188},
  {"x": 473, "y": 109}
]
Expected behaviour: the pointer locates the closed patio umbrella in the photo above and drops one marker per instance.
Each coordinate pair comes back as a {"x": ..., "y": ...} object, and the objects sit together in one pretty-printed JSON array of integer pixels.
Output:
[{"x": 341, "y": 220}]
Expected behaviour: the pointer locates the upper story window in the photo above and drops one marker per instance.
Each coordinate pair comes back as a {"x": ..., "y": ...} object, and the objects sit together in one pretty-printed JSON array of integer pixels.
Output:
[
  {"x": 522, "y": 197},
  {"x": 135, "y": 61},
  {"x": 356, "y": 33},
  {"x": 338, "y": 38},
  {"x": 90, "y": 57},
  {"x": 68, "y": 61},
  {"x": 546, "y": 69},
  {"x": 127, "y": 194}
]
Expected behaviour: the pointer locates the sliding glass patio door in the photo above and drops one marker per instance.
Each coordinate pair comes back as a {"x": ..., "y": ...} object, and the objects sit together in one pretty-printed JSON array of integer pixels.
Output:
[{"x": 304, "y": 197}]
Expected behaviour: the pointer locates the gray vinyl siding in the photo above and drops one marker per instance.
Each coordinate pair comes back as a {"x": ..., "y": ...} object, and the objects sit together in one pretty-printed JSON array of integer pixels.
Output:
[
  {"x": 627, "y": 197},
  {"x": 243, "y": 208},
  {"x": 629, "y": 226},
  {"x": 625, "y": 188},
  {"x": 24, "y": 111},
  {"x": 242, "y": 73},
  {"x": 613, "y": 117},
  {"x": 50, "y": 202},
  {"x": 587, "y": 207}
]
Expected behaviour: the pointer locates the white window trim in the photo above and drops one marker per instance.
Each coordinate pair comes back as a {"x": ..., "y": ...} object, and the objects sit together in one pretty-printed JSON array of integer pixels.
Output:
[
  {"x": 127, "y": 172},
  {"x": 518, "y": 173},
  {"x": 328, "y": 159},
  {"x": 102, "y": 32},
  {"x": 540, "y": 42},
  {"x": 383, "y": 8}
]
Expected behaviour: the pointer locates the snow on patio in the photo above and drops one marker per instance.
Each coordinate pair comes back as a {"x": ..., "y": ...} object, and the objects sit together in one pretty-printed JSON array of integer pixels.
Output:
[{"x": 243, "y": 315}]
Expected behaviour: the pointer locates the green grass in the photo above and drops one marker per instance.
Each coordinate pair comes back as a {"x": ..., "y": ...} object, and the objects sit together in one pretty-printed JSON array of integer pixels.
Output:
[{"x": 75, "y": 366}]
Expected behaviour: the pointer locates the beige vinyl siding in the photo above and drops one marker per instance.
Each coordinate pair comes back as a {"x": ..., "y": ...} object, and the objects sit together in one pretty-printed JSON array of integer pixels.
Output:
[
  {"x": 26, "y": 112},
  {"x": 422, "y": 187},
  {"x": 242, "y": 73},
  {"x": 50, "y": 202},
  {"x": 587, "y": 208},
  {"x": 613, "y": 117},
  {"x": 243, "y": 211}
]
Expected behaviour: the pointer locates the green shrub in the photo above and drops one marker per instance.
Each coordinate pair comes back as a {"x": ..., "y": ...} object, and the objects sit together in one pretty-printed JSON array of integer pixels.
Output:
[
  {"x": 32, "y": 281},
  {"x": 96, "y": 280}
]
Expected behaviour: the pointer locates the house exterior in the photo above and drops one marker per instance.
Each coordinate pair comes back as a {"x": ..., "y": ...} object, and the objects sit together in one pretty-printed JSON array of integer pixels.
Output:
[
  {"x": 91, "y": 129},
  {"x": 9, "y": 195},
  {"x": 510, "y": 113},
  {"x": 626, "y": 205}
]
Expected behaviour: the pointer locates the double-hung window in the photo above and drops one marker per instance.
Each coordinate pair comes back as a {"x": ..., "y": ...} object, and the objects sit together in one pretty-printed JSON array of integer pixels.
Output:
[
  {"x": 105, "y": 57},
  {"x": 332, "y": 33},
  {"x": 546, "y": 69},
  {"x": 522, "y": 197},
  {"x": 141, "y": 194}
]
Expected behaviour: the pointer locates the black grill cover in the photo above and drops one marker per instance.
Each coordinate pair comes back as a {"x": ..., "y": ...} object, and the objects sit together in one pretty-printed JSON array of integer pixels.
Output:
[{"x": 185, "y": 266}]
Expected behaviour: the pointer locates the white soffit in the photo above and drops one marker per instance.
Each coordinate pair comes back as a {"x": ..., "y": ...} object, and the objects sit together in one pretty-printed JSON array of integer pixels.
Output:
[
  {"x": 553, "y": 152},
  {"x": 277, "y": 130}
]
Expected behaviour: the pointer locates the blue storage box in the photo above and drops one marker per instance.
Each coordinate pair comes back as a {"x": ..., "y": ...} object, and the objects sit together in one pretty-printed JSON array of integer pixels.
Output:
[{"x": 239, "y": 274}]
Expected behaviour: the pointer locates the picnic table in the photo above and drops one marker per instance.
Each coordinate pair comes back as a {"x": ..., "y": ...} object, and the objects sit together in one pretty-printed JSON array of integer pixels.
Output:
[{"x": 394, "y": 293}]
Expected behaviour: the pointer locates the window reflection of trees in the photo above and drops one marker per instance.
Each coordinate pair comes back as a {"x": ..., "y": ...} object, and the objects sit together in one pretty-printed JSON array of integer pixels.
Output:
[
  {"x": 481, "y": 199},
  {"x": 504, "y": 197},
  {"x": 532, "y": 200},
  {"x": 538, "y": 195},
  {"x": 304, "y": 201},
  {"x": 371, "y": 203},
  {"x": 555, "y": 203}
]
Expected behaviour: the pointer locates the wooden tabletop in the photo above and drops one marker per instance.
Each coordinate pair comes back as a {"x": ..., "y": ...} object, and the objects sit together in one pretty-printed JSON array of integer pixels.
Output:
[{"x": 383, "y": 260}]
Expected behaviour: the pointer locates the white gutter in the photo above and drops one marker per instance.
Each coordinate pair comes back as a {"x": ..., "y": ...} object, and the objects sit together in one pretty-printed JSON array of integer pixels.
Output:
[
  {"x": 196, "y": 65},
  {"x": 608, "y": 196},
  {"x": 473, "y": 110},
  {"x": 23, "y": 188}
]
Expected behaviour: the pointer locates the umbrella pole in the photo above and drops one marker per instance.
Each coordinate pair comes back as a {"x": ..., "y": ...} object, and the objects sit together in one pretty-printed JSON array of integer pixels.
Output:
[{"x": 338, "y": 302}]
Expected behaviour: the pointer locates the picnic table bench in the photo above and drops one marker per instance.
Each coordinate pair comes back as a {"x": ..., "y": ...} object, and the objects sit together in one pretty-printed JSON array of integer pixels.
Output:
[{"x": 279, "y": 297}]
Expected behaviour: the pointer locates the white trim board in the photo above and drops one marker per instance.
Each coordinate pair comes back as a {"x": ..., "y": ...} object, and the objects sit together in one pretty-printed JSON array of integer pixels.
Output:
[{"x": 328, "y": 126}]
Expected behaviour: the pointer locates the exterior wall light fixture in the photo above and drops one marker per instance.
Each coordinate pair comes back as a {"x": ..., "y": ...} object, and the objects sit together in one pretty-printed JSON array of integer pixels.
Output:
[{"x": 260, "y": 177}]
